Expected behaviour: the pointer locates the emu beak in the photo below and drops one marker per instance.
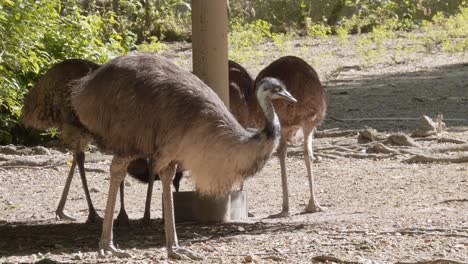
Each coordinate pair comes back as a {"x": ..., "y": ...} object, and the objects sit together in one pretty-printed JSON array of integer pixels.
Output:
[{"x": 286, "y": 96}]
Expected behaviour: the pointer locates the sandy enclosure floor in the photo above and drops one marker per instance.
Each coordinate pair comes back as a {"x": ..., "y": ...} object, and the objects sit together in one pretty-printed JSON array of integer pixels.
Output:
[{"x": 378, "y": 210}]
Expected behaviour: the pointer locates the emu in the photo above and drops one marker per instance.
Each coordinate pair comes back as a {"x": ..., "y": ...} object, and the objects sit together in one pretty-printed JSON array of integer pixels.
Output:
[
  {"x": 162, "y": 112},
  {"x": 47, "y": 106},
  {"x": 240, "y": 91},
  {"x": 304, "y": 84}
]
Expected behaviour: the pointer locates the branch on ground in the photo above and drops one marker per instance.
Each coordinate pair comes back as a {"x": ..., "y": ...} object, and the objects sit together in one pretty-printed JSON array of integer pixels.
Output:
[{"x": 437, "y": 158}]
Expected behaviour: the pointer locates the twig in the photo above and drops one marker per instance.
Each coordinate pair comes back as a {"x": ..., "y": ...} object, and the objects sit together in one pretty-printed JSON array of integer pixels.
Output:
[
  {"x": 35, "y": 167},
  {"x": 436, "y": 261},
  {"x": 461, "y": 147},
  {"x": 332, "y": 259},
  {"x": 390, "y": 119},
  {"x": 321, "y": 258},
  {"x": 453, "y": 200},
  {"x": 451, "y": 140},
  {"x": 428, "y": 158},
  {"x": 432, "y": 229},
  {"x": 330, "y": 133}
]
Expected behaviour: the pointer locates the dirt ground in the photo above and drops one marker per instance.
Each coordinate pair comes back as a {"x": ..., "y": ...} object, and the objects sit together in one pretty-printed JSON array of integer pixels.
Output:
[{"x": 379, "y": 209}]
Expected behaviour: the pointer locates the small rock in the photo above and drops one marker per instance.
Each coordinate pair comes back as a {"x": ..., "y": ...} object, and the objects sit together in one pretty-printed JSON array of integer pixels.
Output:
[
  {"x": 77, "y": 257},
  {"x": 9, "y": 150},
  {"x": 94, "y": 190},
  {"x": 249, "y": 259},
  {"x": 240, "y": 229},
  {"x": 428, "y": 127},
  {"x": 40, "y": 151},
  {"x": 128, "y": 184}
]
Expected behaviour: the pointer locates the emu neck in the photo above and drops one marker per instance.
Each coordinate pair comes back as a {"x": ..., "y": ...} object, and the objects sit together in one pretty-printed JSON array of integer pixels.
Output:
[{"x": 272, "y": 124}]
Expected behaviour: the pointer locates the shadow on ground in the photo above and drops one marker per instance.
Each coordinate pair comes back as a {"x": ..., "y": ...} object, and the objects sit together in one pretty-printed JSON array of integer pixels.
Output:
[
  {"x": 26, "y": 238},
  {"x": 378, "y": 101}
]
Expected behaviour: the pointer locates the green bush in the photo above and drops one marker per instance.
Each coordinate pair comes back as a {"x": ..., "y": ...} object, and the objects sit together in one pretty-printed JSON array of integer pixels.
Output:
[{"x": 34, "y": 35}]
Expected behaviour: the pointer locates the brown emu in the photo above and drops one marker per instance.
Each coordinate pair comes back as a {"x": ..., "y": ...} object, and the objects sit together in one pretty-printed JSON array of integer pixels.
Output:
[
  {"x": 240, "y": 92},
  {"x": 303, "y": 83},
  {"x": 165, "y": 113},
  {"x": 47, "y": 106}
]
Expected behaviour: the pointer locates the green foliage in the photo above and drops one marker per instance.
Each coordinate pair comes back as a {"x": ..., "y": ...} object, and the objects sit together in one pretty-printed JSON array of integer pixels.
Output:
[
  {"x": 34, "y": 35},
  {"x": 164, "y": 19},
  {"x": 319, "y": 30},
  {"x": 448, "y": 33},
  {"x": 243, "y": 38},
  {"x": 154, "y": 45}
]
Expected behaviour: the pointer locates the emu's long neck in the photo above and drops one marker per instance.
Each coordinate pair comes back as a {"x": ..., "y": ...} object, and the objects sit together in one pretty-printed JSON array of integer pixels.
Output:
[{"x": 272, "y": 125}]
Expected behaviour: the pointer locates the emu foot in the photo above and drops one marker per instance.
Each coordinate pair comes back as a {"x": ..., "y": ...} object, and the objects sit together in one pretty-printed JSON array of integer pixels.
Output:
[
  {"x": 111, "y": 250},
  {"x": 280, "y": 215},
  {"x": 182, "y": 253},
  {"x": 146, "y": 221},
  {"x": 93, "y": 218},
  {"x": 63, "y": 216},
  {"x": 313, "y": 207},
  {"x": 122, "y": 220}
]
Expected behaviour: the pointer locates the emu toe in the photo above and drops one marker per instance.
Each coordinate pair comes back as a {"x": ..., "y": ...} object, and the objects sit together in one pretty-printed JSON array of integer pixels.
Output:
[
  {"x": 182, "y": 253},
  {"x": 63, "y": 216},
  {"x": 280, "y": 215},
  {"x": 313, "y": 207},
  {"x": 111, "y": 250}
]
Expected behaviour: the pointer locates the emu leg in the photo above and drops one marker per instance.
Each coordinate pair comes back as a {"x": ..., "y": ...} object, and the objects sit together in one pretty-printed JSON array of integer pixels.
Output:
[
  {"x": 313, "y": 205},
  {"x": 282, "y": 150},
  {"x": 93, "y": 217},
  {"x": 118, "y": 170},
  {"x": 59, "y": 214},
  {"x": 149, "y": 194},
  {"x": 172, "y": 244},
  {"x": 122, "y": 218},
  {"x": 177, "y": 178}
]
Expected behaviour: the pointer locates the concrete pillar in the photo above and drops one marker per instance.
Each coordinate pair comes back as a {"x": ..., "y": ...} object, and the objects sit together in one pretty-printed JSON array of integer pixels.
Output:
[{"x": 209, "y": 45}]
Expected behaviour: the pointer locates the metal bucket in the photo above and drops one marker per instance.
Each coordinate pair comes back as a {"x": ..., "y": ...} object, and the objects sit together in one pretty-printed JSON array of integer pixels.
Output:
[{"x": 191, "y": 207}]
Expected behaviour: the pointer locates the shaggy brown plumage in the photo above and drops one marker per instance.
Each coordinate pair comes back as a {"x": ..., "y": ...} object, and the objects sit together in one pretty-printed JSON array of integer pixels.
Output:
[
  {"x": 170, "y": 107},
  {"x": 47, "y": 106},
  {"x": 240, "y": 92},
  {"x": 165, "y": 113},
  {"x": 303, "y": 83}
]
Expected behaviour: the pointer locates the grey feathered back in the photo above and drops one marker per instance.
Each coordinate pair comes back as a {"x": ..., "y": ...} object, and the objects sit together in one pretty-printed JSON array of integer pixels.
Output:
[{"x": 142, "y": 105}]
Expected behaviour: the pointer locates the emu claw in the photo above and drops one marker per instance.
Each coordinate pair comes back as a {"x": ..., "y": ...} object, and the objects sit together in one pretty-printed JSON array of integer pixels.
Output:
[
  {"x": 112, "y": 251},
  {"x": 63, "y": 216},
  {"x": 280, "y": 215},
  {"x": 313, "y": 208},
  {"x": 182, "y": 253}
]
